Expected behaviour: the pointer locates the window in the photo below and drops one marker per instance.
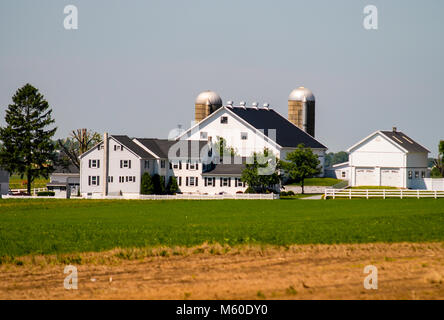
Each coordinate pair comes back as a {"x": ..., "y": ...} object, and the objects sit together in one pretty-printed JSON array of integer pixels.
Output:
[
  {"x": 244, "y": 135},
  {"x": 162, "y": 164},
  {"x": 125, "y": 164},
  {"x": 208, "y": 181},
  {"x": 343, "y": 174},
  {"x": 175, "y": 165},
  {"x": 94, "y": 163},
  {"x": 225, "y": 182},
  {"x": 224, "y": 120},
  {"x": 110, "y": 179},
  {"x": 192, "y": 166},
  {"x": 147, "y": 164},
  {"x": 239, "y": 183},
  {"x": 410, "y": 174},
  {"x": 191, "y": 181},
  {"x": 93, "y": 180},
  {"x": 423, "y": 174},
  {"x": 121, "y": 179},
  {"x": 416, "y": 174},
  {"x": 203, "y": 135}
]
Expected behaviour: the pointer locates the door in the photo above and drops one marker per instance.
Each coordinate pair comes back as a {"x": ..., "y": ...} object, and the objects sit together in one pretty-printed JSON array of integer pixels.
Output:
[
  {"x": 391, "y": 177},
  {"x": 366, "y": 177}
]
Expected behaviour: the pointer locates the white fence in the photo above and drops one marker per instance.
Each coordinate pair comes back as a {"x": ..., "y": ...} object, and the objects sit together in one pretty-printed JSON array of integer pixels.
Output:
[
  {"x": 239, "y": 196},
  {"x": 382, "y": 193},
  {"x": 434, "y": 184},
  {"x": 33, "y": 190}
]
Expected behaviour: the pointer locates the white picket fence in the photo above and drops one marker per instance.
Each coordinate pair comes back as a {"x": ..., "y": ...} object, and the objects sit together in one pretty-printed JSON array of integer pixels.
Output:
[
  {"x": 381, "y": 193},
  {"x": 239, "y": 196},
  {"x": 33, "y": 190}
]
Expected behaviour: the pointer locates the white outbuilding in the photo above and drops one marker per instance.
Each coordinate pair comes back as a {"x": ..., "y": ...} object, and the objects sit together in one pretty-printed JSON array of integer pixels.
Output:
[{"x": 388, "y": 158}]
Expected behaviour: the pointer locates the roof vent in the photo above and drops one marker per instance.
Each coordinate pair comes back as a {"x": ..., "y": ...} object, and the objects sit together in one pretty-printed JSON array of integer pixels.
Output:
[
  {"x": 230, "y": 103},
  {"x": 254, "y": 105},
  {"x": 242, "y": 103},
  {"x": 266, "y": 105}
]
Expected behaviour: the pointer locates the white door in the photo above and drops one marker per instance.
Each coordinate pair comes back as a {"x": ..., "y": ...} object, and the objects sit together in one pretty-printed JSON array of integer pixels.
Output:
[
  {"x": 390, "y": 177},
  {"x": 366, "y": 177}
]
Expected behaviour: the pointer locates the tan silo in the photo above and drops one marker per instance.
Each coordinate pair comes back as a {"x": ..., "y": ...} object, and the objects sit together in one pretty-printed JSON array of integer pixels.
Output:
[
  {"x": 206, "y": 103},
  {"x": 301, "y": 109}
]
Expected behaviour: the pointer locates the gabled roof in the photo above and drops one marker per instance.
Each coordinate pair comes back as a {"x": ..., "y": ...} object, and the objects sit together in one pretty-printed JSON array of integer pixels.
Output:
[
  {"x": 161, "y": 147},
  {"x": 134, "y": 147},
  {"x": 406, "y": 142},
  {"x": 399, "y": 139},
  {"x": 287, "y": 134}
]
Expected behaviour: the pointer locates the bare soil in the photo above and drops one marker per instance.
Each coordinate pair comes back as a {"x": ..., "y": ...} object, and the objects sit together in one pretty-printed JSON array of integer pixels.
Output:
[{"x": 405, "y": 271}]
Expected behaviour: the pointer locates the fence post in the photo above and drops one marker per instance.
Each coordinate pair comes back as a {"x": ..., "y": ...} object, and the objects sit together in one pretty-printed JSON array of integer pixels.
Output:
[
  {"x": 366, "y": 192},
  {"x": 383, "y": 193},
  {"x": 401, "y": 193},
  {"x": 334, "y": 194},
  {"x": 417, "y": 193},
  {"x": 435, "y": 194},
  {"x": 349, "y": 193}
]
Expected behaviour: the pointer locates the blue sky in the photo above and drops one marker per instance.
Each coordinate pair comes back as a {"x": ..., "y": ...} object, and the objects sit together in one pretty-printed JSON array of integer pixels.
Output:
[{"x": 135, "y": 67}]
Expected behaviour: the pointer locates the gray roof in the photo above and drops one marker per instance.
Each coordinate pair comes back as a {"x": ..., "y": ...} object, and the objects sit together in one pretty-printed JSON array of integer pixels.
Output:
[
  {"x": 287, "y": 134},
  {"x": 161, "y": 147},
  {"x": 134, "y": 147},
  {"x": 66, "y": 169},
  {"x": 404, "y": 141},
  {"x": 225, "y": 170}
]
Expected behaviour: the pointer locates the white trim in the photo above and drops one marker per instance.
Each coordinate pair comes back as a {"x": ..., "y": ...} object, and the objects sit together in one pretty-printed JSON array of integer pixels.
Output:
[{"x": 349, "y": 150}]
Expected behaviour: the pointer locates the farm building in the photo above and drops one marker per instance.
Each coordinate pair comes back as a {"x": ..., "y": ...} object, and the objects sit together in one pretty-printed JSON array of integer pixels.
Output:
[
  {"x": 388, "y": 158},
  {"x": 339, "y": 171},
  {"x": 115, "y": 166},
  {"x": 64, "y": 181}
]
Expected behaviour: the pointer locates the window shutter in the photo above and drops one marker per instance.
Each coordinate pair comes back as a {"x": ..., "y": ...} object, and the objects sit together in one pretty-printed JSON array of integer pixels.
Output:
[
  {"x": 187, "y": 166},
  {"x": 129, "y": 164},
  {"x": 121, "y": 163},
  {"x": 98, "y": 180},
  {"x": 180, "y": 181},
  {"x": 134, "y": 178},
  {"x": 89, "y": 179},
  {"x": 221, "y": 181},
  {"x": 214, "y": 181},
  {"x": 89, "y": 163},
  {"x": 229, "y": 182},
  {"x": 98, "y": 163},
  {"x": 115, "y": 147},
  {"x": 180, "y": 165},
  {"x": 187, "y": 181},
  {"x": 235, "y": 182},
  {"x": 196, "y": 181},
  {"x": 197, "y": 166},
  {"x": 205, "y": 181}
]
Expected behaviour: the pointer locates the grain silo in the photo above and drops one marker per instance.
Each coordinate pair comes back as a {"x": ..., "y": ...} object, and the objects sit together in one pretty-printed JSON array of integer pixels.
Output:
[
  {"x": 206, "y": 103},
  {"x": 301, "y": 109}
]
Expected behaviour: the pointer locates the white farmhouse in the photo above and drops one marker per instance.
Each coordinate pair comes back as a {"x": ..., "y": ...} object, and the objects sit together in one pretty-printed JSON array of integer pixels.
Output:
[
  {"x": 388, "y": 158},
  {"x": 116, "y": 166}
]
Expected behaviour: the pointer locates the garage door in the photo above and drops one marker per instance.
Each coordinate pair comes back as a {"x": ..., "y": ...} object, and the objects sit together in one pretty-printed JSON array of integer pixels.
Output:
[
  {"x": 366, "y": 177},
  {"x": 390, "y": 177}
]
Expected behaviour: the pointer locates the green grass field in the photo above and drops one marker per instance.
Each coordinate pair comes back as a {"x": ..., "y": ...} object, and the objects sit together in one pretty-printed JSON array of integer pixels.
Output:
[
  {"x": 319, "y": 182},
  {"x": 47, "y": 226},
  {"x": 15, "y": 182}
]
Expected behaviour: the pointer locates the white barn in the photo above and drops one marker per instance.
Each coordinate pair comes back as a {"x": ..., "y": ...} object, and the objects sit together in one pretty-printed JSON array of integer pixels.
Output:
[{"x": 388, "y": 158}]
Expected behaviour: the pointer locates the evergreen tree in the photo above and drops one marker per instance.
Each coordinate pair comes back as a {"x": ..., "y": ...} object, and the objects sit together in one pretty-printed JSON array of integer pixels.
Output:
[
  {"x": 172, "y": 186},
  {"x": 27, "y": 147},
  {"x": 159, "y": 184},
  {"x": 147, "y": 186}
]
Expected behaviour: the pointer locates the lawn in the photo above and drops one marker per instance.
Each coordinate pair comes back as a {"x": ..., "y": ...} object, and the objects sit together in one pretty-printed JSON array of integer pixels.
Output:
[
  {"x": 15, "y": 182},
  {"x": 327, "y": 182},
  {"x": 47, "y": 226}
]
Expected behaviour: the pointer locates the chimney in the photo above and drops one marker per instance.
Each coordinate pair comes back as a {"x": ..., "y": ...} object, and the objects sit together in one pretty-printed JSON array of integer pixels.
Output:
[
  {"x": 105, "y": 163},
  {"x": 394, "y": 129}
]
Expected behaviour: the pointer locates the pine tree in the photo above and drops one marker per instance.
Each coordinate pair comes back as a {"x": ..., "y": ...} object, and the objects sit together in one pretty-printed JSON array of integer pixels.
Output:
[
  {"x": 172, "y": 186},
  {"x": 27, "y": 146},
  {"x": 147, "y": 186}
]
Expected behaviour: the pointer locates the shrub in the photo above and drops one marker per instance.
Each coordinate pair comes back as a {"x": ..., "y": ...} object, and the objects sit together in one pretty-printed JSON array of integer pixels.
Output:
[
  {"x": 46, "y": 194},
  {"x": 146, "y": 184},
  {"x": 172, "y": 186},
  {"x": 250, "y": 190},
  {"x": 159, "y": 184},
  {"x": 290, "y": 193}
]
